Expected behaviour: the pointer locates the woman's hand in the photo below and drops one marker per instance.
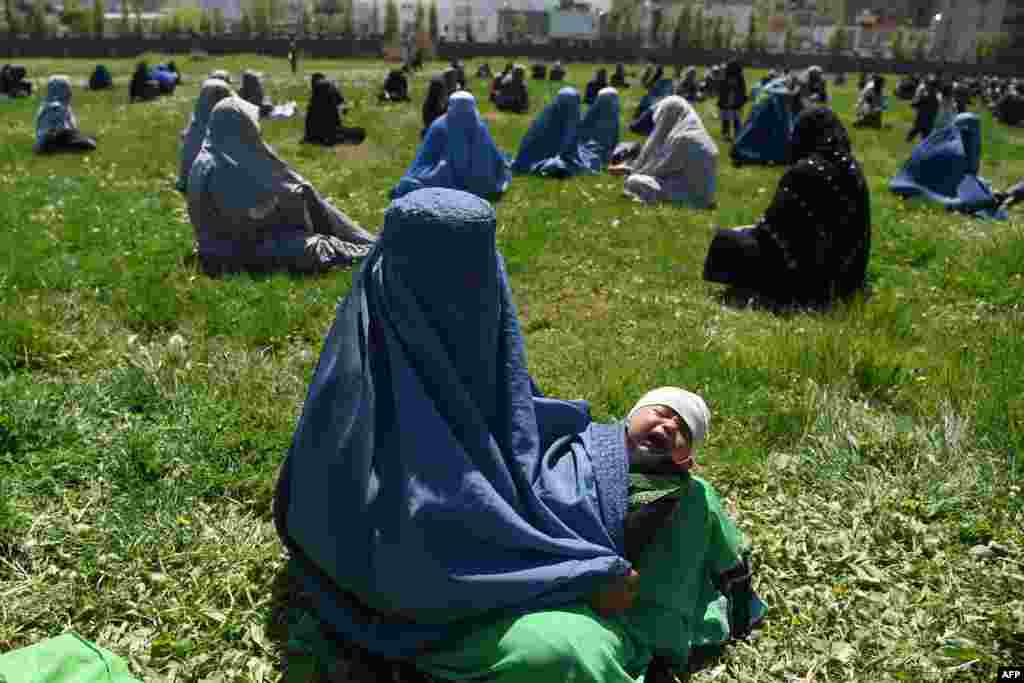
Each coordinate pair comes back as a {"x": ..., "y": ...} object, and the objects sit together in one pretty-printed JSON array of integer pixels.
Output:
[{"x": 617, "y": 595}]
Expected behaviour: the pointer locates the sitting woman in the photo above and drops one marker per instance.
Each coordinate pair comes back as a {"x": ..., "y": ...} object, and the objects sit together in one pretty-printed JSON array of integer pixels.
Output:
[
  {"x": 222, "y": 75},
  {"x": 434, "y": 104},
  {"x": 143, "y": 87},
  {"x": 595, "y": 86},
  {"x": 56, "y": 125},
  {"x": 252, "y": 92},
  {"x": 552, "y": 147},
  {"x": 643, "y": 117},
  {"x": 539, "y": 72},
  {"x": 250, "y": 211},
  {"x": 765, "y": 137},
  {"x": 513, "y": 96},
  {"x": 678, "y": 162},
  {"x": 484, "y": 71},
  {"x": 212, "y": 91},
  {"x": 598, "y": 131},
  {"x": 557, "y": 72},
  {"x": 619, "y": 77},
  {"x": 458, "y": 152},
  {"x": 424, "y": 451},
  {"x": 396, "y": 87},
  {"x": 323, "y": 116},
  {"x": 871, "y": 104},
  {"x": 166, "y": 77},
  {"x": 944, "y": 169},
  {"x": 13, "y": 82},
  {"x": 813, "y": 243},
  {"x": 688, "y": 86},
  {"x": 101, "y": 78}
]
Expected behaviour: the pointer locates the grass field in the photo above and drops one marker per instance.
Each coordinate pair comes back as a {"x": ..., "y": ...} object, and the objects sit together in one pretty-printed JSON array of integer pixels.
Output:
[{"x": 871, "y": 452}]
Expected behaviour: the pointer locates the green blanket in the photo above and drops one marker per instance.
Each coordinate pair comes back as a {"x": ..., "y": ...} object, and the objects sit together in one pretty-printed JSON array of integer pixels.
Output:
[{"x": 64, "y": 659}]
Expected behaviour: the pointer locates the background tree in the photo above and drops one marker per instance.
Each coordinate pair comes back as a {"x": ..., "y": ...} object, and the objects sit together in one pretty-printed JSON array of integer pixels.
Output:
[
  {"x": 125, "y": 25},
  {"x": 730, "y": 31},
  {"x": 74, "y": 18},
  {"x": 245, "y": 24},
  {"x": 470, "y": 36},
  {"x": 391, "y": 20},
  {"x": 348, "y": 13},
  {"x": 921, "y": 45},
  {"x": 435, "y": 29},
  {"x": 13, "y": 19},
  {"x": 655, "y": 26},
  {"x": 375, "y": 18},
  {"x": 697, "y": 28},
  {"x": 217, "y": 22},
  {"x": 98, "y": 19},
  {"x": 753, "y": 41},
  {"x": 898, "y": 45},
  {"x": 419, "y": 19},
  {"x": 36, "y": 23},
  {"x": 682, "y": 27},
  {"x": 839, "y": 40},
  {"x": 789, "y": 41},
  {"x": 205, "y": 24}
]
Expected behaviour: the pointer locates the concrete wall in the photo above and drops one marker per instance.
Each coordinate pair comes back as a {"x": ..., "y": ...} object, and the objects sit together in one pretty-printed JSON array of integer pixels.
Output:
[
  {"x": 609, "y": 52},
  {"x": 94, "y": 48}
]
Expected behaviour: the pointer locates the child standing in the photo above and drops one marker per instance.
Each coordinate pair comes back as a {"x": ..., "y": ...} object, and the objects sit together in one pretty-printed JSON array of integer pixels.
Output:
[{"x": 732, "y": 96}]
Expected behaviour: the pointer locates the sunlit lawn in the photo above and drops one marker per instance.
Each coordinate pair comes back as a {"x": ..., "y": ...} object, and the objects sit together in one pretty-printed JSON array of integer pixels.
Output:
[{"x": 144, "y": 407}]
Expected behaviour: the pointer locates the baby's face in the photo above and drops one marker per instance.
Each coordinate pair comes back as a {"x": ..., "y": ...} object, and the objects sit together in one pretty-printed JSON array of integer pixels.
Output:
[{"x": 659, "y": 430}]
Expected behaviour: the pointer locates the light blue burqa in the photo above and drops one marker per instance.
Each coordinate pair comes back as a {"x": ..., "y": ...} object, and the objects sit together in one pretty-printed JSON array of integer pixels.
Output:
[
  {"x": 766, "y": 136},
  {"x": 427, "y": 488},
  {"x": 552, "y": 146},
  {"x": 943, "y": 168},
  {"x": 599, "y": 129},
  {"x": 55, "y": 113},
  {"x": 458, "y": 152},
  {"x": 213, "y": 91}
]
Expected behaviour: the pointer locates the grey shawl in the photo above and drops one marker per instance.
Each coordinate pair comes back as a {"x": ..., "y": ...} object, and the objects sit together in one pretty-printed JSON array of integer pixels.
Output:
[
  {"x": 213, "y": 91},
  {"x": 246, "y": 203},
  {"x": 679, "y": 161}
]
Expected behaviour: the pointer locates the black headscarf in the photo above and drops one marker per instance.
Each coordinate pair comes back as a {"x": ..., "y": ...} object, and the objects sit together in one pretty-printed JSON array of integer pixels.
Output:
[
  {"x": 436, "y": 102},
  {"x": 322, "y": 117},
  {"x": 139, "y": 78},
  {"x": 814, "y": 241}
]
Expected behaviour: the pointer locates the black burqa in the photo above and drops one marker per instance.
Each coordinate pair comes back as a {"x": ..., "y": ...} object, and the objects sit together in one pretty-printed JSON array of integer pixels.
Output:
[
  {"x": 594, "y": 87},
  {"x": 619, "y": 77},
  {"x": 323, "y": 118},
  {"x": 142, "y": 87},
  {"x": 813, "y": 243},
  {"x": 396, "y": 87},
  {"x": 435, "y": 104}
]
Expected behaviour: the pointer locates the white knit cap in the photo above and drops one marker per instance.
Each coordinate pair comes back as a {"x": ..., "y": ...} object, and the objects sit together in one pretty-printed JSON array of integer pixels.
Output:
[{"x": 686, "y": 404}]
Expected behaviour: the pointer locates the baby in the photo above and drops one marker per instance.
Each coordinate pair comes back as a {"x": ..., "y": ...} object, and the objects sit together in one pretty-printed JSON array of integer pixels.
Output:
[{"x": 664, "y": 430}]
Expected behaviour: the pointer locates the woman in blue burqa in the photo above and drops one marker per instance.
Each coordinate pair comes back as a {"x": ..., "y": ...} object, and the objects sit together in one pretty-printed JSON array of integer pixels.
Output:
[
  {"x": 559, "y": 145},
  {"x": 437, "y": 510},
  {"x": 766, "y": 135},
  {"x": 251, "y": 211},
  {"x": 458, "y": 152},
  {"x": 212, "y": 91},
  {"x": 944, "y": 169},
  {"x": 56, "y": 125},
  {"x": 643, "y": 117}
]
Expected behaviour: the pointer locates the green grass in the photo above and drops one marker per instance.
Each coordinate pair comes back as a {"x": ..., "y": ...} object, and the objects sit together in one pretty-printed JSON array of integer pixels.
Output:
[{"x": 144, "y": 408}]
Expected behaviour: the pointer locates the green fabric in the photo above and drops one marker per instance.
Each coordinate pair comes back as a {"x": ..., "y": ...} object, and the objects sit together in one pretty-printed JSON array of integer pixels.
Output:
[
  {"x": 64, "y": 659},
  {"x": 678, "y": 607}
]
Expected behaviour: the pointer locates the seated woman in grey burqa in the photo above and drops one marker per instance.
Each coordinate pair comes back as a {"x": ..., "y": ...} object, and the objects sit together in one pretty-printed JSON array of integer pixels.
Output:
[
  {"x": 56, "y": 125},
  {"x": 212, "y": 91},
  {"x": 323, "y": 116},
  {"x": 813, "y": 243},
  {"x": 438, "y": 511},
  {"x": 251, "y": 211}
]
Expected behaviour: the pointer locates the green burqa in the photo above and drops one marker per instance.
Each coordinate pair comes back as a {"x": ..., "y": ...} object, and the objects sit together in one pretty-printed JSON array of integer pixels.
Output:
[{"x": 64, "y": 659}]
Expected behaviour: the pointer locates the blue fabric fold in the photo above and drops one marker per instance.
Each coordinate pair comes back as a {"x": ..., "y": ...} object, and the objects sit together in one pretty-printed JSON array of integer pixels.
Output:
[
  {"x": 943, "y": 168},
  {"x": 458, "y": 152},
  {"x": 766, "y": 136},
  {"x": 552, "y": 146},
  {"x": 425, "y": 478}
]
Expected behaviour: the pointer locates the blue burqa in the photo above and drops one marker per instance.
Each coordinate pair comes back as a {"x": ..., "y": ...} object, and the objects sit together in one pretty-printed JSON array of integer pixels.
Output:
[
  {"x": 162, "y": 74},
  {"x": 599, "y": 129},
  {"x": 944, "y": 169},
  {"x": 427, "y": 487},
  {"x": 766, "y": 136},
  {"x": 552, "y": 146},
  {"x": 643, "y": 120},
  {"x": 457, "y": 152}
]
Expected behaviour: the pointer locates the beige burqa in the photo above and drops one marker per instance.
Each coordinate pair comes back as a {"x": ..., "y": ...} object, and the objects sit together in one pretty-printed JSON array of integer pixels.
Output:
[
  {"x": 679, "y": 161},
  {"x": 251, "y": 211}
]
